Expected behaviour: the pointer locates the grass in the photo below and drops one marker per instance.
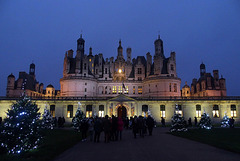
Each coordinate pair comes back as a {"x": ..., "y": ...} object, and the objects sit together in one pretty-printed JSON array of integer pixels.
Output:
[
  {"x": 224, "y": 138},
  {"x": 55, "y": 142}
]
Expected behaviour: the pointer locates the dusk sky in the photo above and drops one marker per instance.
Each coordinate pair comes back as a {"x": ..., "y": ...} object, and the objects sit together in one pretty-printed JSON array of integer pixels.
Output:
[{"x": 198, "y": 31}]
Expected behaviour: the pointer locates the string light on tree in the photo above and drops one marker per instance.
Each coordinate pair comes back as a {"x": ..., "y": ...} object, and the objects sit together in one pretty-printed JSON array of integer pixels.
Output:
[
  {"x": 178, "y": 122},
  {"x": 21, "y": 130}
]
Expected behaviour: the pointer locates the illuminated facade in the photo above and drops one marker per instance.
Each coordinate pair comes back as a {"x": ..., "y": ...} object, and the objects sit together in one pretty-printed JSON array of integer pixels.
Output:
[{"x": 125, "y": 87}]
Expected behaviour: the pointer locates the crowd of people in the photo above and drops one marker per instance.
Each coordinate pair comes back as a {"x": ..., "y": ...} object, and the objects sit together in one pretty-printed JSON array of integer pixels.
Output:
[{"x": 112, "y": 127}]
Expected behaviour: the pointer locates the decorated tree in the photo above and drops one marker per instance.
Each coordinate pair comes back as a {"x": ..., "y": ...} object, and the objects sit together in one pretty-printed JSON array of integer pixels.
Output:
[
  {"x": 47, "y": 120},
  {"x": 22, "y": 126},
  {"x": 77, "y": 119},
  {"x": 178, "y": 122},
  {"x": 205, "y": 121},
  {"x": 225, "y": 121}
]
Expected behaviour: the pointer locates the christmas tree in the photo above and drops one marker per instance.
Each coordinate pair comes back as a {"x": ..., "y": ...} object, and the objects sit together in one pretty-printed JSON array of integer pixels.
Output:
[
  {"x": 178, "y": 122},
  {"x": 47, "y": 121},
  {"x": 76, "y": 121},
  {"x": 225, "y": 121},
  {"x": 21, "y": 129},
  {"x": 205, "y": 122}
]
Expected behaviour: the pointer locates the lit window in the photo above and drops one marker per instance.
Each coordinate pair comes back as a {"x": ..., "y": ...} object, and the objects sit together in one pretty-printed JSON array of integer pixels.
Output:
[
  {"x": 145, "y": 110},
  {"x": 89, "y": 111},
  {"x": 90, "y": 60},
  {"x": 92, "y": 65},
  {"x": 114, "y": 90},
  {"x": 215, "y": 111},
  {"x": 52, "y": 110},
  {"x": 162, "y": 111},
  {"x": 133, "y": 89},
  {"x": 198, "y": 110},
  {"x": 70, "y": 111},
  {"x": 139, "y": 89},
  {"x": 119, "y": 89},
  {"x": 233, "y": 111},
  {"x": 101, "y": 111},
  {"x": 126, "y": 90}
]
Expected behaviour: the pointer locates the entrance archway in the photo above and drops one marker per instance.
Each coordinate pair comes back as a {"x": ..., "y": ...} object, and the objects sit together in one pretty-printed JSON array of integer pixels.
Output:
[{"x": 122, "y": 112}]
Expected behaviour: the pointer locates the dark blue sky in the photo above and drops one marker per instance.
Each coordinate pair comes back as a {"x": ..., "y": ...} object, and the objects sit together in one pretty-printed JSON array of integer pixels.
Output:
[{"x": 197, "y": 31}]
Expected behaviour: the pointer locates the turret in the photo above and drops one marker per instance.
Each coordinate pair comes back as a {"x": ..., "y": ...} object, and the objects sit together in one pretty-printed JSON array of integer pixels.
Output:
[
  {"x": 32, "y": 69},
  {"x": 159, "y": 47},
  {"x": 202, "y": 70},
  {"x": 10, "y": 81},
  {"x": 120, "y": 51},
  {"x": 80, "y": 45}
]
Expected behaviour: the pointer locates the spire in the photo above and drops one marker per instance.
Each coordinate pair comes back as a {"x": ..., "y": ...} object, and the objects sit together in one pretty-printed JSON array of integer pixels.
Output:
[{"x": 120, "y": 42}]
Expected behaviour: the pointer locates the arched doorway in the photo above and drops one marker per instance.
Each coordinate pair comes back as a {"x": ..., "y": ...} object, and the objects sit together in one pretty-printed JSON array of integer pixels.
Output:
[{"x": 122, "y": 112}]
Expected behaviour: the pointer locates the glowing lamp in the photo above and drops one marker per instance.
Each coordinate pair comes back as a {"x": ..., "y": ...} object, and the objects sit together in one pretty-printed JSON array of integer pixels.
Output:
[{"x": 120, "y": 70}]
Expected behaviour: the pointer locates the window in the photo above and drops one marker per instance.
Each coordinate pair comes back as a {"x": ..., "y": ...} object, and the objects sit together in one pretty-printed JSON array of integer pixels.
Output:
[
  {"x": 215, "y": 111},
  {"x": 145, "y": 110},
  {"x": 162, "y": 111},
  {"x": 96, "y": 71},
  {"x": 85, "y": 89},
  {"x": 198, "y": 110},
  {"x": 119, "y": 89},
  {"x": 85, "y": 66},
  {"x": 179, "y": 111},
  {"x": 233, "y": 111},
  {"x": 92, "y": 65},
  {"x": 126, "y": 90},
  {"x": 84, "y": 74},
  {"x": 89, "y": 111},
  {"x": 101, "y": 111},
  {"x": 139, "y": 89},
  {"x": 139, "y": 70},
  {"x": 139, "y": 78},
  {"x": 114, "y": 90},
  {"x": 52, "y": 110},
  {"x": 170, "y": 87},
  {"x": 133, "y": 89},
  {"x": 90, "y": 60},
  {"x": 172, "y": 67},
  {"x": 175, "y": 87},
  {"x": 105, "y": 70},
  {"x": 70, "y": 111}
]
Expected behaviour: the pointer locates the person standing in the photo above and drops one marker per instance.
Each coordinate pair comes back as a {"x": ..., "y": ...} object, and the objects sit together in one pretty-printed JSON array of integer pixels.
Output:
[
  {"x": 163, "y": 122},
  {"x": 150, "y": 125},
  {"x": 135, "y": 126},
  {"x": 119, "y": 128},
  {"x": 195, "y": 121},
  {"x": 190, "y": 122},
  {"x": 97, "y": 129},
  {"x": 90, "y": 128},
  {"x": 106, "y": 128}
]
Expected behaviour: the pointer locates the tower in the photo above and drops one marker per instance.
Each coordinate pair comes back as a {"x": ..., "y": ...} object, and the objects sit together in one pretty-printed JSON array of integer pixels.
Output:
[
  {"x": 32, "y": 69},
  {"x": 159, "y": 47},
  {"x": 120, "y": 51},
  {"x": 80, "y": 46},
  {"x": 202, "y": 70}
]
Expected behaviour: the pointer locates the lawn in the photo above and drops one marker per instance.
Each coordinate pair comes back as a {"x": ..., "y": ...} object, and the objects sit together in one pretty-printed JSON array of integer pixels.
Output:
[
  {"x": 54, "y": 143},
  {"x": 224, "y": 138}
]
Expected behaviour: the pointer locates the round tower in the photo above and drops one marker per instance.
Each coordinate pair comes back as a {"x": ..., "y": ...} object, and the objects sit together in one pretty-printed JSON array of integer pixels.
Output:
[{"x": 10, "y": 84}]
